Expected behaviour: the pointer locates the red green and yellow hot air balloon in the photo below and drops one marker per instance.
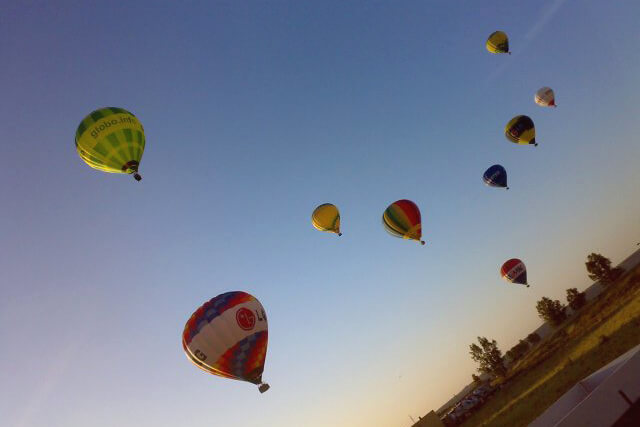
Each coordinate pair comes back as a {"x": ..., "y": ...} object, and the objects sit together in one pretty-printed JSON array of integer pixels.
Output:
[
  {"x": 326, "y": 217},
  {"x": 402, "y": 219},
  {"x": 111, "y": 140}
]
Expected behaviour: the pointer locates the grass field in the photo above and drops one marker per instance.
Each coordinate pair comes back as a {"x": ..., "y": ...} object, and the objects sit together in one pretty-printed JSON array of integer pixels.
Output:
[{"x": 601, "y": 331}]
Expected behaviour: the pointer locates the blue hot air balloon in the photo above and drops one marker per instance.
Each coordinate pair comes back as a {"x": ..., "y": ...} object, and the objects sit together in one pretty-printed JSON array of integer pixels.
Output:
[{"x": 495, "y": 176}]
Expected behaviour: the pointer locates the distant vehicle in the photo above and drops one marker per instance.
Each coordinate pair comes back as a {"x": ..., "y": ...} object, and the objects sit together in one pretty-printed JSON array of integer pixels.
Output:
[{"x": 484, "y": 391}]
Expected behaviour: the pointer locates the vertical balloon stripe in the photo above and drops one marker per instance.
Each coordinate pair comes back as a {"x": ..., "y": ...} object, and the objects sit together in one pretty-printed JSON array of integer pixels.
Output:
[{"x": 410, "y": 210}]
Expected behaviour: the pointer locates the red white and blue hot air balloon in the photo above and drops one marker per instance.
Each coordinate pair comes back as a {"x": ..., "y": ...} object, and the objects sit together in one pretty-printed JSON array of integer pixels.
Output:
[
  {"x": 227, "y": 337},
  {"x": 514, "y": 271}
]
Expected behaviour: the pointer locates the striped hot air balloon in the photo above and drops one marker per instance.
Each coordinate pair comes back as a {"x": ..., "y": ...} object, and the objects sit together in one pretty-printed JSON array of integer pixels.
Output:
[
  {"x": 402, "y": 219},
  {"x": 521, "y": 130},
  {"x": 514, "y": 271},
  {"x": 326, "y": 217},
  {"x": 227, "y": 337},
  {"x": 498, "y": 42},
  {"x": 111, "y": 140}
]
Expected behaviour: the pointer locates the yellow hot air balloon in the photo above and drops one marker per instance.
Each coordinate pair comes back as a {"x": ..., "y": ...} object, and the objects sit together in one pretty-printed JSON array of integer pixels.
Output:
[
  {"x": 111, "y": 140},
  {"x": 520, "y": 130},
  {"x": 498, "y": 42},
  {"x": 545, "y": 97},
  {"x": 326, "y": 217}
]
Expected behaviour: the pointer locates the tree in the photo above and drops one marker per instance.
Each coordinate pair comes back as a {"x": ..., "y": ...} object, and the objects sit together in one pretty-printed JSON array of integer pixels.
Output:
[
  {"x": 489, "y": 356},
  {"x": 575, "y": 299},
  {"x": 599, "y": 269},
  {"x": 475, "y": 378},
  {"x": 533, "y": 338},
  {"x": 551, "y": 311},
  {"x": 518, "y": 350}
]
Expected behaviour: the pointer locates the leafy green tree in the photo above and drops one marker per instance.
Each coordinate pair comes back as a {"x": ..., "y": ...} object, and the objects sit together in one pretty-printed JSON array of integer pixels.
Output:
[
  {"x": 533, "y": 338},
  {"x": 489, "y": 356},
  {"x": 576, "y": 299},
  {"x": 599, "y": 269},
  {"x": 475, "y": 378},
  {"x": 551, "y": 311}
]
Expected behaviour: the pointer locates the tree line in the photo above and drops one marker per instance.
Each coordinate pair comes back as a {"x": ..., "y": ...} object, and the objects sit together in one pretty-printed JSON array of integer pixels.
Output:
[{"x": 486, "y": 352}]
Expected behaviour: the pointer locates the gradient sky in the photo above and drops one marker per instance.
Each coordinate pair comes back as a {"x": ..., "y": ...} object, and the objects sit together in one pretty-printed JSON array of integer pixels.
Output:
[{"x": 256, "y": 112}]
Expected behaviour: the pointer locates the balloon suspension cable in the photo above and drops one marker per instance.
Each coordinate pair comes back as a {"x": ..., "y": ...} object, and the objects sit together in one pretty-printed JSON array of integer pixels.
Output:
[{"x": 137, "y": 176}]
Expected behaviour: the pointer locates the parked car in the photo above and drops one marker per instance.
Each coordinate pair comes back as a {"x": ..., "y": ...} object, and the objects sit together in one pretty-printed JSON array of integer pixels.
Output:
[{"x": 484, "y": 391}]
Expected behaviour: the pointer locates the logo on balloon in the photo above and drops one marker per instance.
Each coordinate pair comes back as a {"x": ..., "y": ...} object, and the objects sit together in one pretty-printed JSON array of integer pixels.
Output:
[
  {"x": 246, "y": 319},
  {"x": 516, "y": 271}
]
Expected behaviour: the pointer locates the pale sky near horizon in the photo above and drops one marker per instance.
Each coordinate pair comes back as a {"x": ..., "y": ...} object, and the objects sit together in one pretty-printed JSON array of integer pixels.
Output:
[{"x": 256, "y": 112}]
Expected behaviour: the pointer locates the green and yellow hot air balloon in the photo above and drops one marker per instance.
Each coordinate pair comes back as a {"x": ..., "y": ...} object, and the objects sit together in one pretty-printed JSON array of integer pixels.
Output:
[
  {"x": 111, "y": 140},
  {"x": 326, "y": 217},
  {"x": 498, "y": 42},
  {"x": 520, "y": 130}
]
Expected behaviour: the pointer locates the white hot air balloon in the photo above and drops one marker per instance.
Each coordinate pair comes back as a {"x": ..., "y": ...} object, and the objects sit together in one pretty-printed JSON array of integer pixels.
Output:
[{"x": 545, "y": 97}]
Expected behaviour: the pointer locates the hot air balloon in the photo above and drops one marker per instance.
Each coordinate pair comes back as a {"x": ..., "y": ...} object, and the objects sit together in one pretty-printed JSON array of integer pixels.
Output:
[
  {"x": 402, "y": 219},
  {"x": 545, "y": 97},
  {"x": 514, "y": 271},
  {"x": 326, "y": 217},
  {"x": 498, "y": 42},
  {"x": 227, "y": 337},
  {"x": 111, "y": 140},
  {"x": 496, "y": 176},
  {"x": 521, "y": 130}
]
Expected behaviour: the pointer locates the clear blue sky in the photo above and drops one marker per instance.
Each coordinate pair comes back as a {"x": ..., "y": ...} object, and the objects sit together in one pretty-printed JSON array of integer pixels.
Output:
[{"x": 256, "y": 112}]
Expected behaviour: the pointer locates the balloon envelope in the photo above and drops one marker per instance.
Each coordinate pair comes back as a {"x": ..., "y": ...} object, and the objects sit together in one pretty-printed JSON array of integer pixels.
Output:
[
  {"x": 545, "y": 97},
  {"x": 326, "y": 217},
  {"x": 498, "y": 42},
  {"x": 495, "y": 176},
  {"x": 227, "y": 336},
  {"x": 521, "y": 130},
  {"x": 111, "y": 140},
  {"x": 514, "y": 271},
  {"x": 402, "y": 219}
]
